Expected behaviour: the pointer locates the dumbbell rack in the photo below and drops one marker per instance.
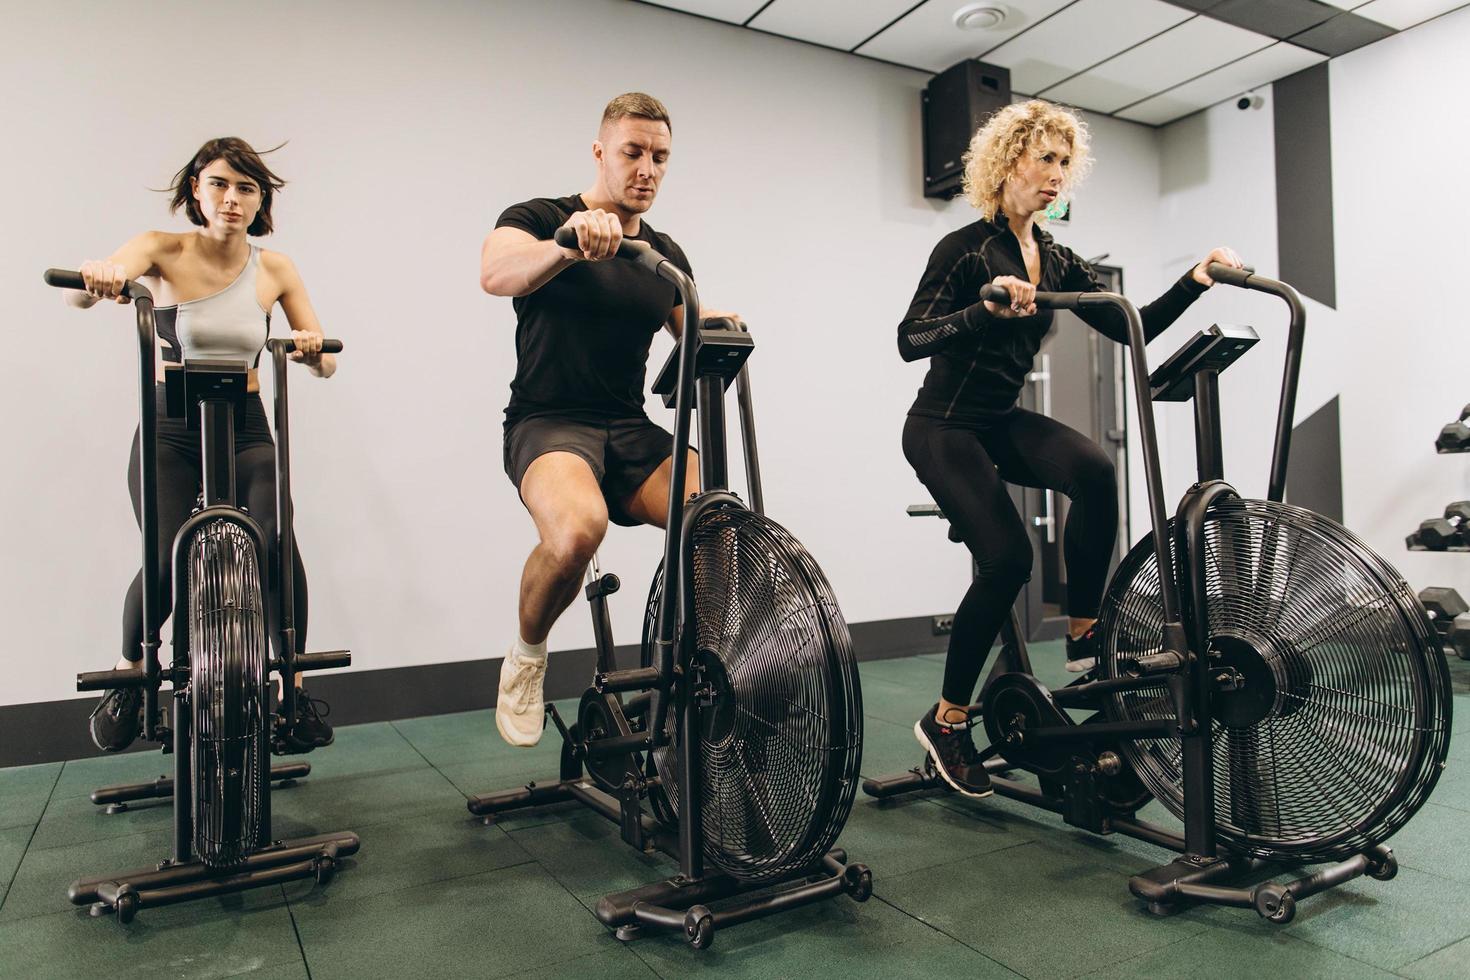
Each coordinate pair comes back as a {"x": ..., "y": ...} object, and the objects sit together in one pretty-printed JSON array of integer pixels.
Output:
[{"x": 1447, "y": 609}]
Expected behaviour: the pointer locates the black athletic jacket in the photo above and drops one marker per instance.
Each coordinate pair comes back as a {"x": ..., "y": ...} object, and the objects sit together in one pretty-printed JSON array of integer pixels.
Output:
[{"x": 979, "y": 361}]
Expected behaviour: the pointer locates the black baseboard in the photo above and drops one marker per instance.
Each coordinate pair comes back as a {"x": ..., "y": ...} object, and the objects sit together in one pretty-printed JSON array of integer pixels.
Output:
[{"x": 52, "y": 731}]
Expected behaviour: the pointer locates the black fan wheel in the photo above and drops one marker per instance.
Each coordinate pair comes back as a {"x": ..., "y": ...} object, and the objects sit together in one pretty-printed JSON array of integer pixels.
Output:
[
  {"x": 768, "y": 666},
  {"x": 1331, "y": 703}
]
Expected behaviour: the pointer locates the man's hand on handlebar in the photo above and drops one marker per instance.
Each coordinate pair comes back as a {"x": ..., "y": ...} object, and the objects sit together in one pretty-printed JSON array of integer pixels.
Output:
[
  {"x": 105, "y": 280},
  {"x": 1223, "y": 255},
  {"x": 1023, "y": 298},
  {"x": 599, "y": 233}
]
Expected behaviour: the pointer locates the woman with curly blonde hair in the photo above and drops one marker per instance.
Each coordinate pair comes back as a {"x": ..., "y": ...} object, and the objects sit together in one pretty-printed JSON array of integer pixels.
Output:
[{"x": 966, "y": 437}]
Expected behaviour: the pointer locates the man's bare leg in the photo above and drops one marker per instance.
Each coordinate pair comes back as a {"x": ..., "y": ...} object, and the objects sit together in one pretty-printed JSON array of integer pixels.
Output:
[
  {"x": 650, "y": 502},
  {"x": 563, "y": 496}
]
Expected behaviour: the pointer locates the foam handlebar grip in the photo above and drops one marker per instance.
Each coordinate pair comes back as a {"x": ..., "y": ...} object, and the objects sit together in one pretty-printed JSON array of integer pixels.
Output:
[
  {"x": 64, "y": 279},
  {"x": 328, "y": 346},
  {"x": 1229, "y": 275},
  {"x": 992, "y": 293},
  {"x": 629, "y": 249},
  {"x": 71, "y": 279}
]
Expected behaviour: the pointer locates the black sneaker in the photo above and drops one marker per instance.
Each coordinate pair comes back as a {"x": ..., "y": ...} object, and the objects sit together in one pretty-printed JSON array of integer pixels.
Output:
[
  {"x": 954, "y": 755},
  {"x": 117, "y": 719},
  {"x": 311, "y": 730},
  {"x": 1082, "y": 652}
]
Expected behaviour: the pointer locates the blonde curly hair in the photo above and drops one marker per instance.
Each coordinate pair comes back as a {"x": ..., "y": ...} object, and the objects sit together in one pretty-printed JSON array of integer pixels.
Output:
[{"x": 1012, "y": 131}]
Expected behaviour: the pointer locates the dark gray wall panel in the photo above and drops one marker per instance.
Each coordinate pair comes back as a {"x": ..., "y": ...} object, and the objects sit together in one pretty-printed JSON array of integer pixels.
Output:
[
  {"x": 1314, "y": 472},
  {"x": 1304, "y": 183}
]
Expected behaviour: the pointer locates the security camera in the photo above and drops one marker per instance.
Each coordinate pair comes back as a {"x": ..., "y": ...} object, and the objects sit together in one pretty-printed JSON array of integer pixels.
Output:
[{"x": 1249, "y": 101}]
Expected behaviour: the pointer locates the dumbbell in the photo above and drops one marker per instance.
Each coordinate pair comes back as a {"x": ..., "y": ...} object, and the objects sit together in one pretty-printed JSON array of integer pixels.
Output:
[
  {"x": 1436, "y": 534},
  {"x": 1451, "y": 617},
  {"x": 1457, "y": 637},
  {"x": 1455, "y": 437}
]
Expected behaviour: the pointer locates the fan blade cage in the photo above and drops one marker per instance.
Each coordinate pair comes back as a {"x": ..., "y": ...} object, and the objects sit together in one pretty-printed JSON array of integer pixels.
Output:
[
  {"x": 227, "y": 693},
  {"x": 1342, "y": 726},
  {"x": 781, "y": 740}
]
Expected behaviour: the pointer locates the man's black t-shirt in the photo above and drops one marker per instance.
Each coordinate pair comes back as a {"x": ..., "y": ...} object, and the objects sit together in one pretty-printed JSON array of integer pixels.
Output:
[{"x": 582, "y": 339}]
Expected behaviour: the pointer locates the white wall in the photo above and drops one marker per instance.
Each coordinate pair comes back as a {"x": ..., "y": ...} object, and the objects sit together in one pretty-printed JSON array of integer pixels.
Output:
[
  {"x": 793, "y": 187},
  {"x": 1394, "y": 348}
]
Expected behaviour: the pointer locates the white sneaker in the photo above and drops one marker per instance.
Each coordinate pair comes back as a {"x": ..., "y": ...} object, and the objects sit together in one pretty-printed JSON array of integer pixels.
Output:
[{"x": 520, "y": 708}]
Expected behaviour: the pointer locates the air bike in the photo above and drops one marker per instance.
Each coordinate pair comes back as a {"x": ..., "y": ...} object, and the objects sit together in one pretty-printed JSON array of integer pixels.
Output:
[
  {"x": 1278, "y": 687},
  {"x": 223, "y": 731},
  {"x": 737, "y": 748}
]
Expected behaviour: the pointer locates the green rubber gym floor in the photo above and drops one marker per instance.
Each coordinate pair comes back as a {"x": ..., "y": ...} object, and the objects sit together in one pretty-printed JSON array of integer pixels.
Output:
[{"x": 988, "y": 889}]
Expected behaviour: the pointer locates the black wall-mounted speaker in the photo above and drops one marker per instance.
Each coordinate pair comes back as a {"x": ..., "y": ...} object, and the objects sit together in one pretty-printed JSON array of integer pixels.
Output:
[{"x": 956, "y": 102}]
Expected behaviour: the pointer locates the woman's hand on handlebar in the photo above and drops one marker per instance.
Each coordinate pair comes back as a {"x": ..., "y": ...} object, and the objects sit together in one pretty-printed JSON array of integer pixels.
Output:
[
  {"x": 1023, "y": 298},
  {"x": 599, "y": 233},
  {"x": 308, "y": 348},
  {"x": 105, "y": 280},
  {"x": 1223, "y": 255}
]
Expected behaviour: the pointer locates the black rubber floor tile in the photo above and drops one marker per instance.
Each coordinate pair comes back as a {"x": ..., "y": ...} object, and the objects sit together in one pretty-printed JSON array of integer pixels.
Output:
[
  {"x": 1449, "y": 963},
  {"x": 834, "y": 938},
  {"x": 1217, "y": 954},
  {"x": 415, "y": 851},
  {"x": 76, "y": 819},
  {"x": 40, "y": 883},
  {"x": 81, "y": 776},
  {"x": 319, "y": 806},
  {"x": 498, "y": 924},
  {"x": 1037, "y": 910},
  {"x": 13, "y": 841},
  {"x": 214, "y": 937},
  {"x": 1434, "y": 841},
  {"x": 586, "y": 854},
  {"x": 904, "y": 834},
  {"x": 1386, "y": 923},
  {"x": 889, "y": 748},
  {"x": 612, "y": 964},
  {"x": 24, "y": 791},
  {"x": 360, "y": 749},
  {"x": 284, "y": 971}
]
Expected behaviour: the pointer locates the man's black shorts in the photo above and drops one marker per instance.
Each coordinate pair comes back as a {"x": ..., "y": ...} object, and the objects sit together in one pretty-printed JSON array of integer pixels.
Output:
[{"x": 623, "y": 453}]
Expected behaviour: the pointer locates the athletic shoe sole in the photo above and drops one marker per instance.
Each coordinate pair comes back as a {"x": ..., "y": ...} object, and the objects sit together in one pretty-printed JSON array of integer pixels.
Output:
[
  {"x": 929, "y": 747},
  {"x": 1081, "y": 666},
  {"x": 515, "y": 739}
]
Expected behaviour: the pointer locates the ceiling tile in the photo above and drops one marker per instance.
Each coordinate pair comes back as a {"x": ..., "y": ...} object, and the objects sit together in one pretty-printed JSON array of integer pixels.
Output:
[
  {"x": 1276, "y": 18},
  {"x": 1343, "y": 33},
  {"x": 1079, "y": 37},
  {"x": 1194, "y": 47},
  {"x": 1403, "y": 14},
  {"x": 1252, "y": 71},
  {"x": 928, "y": 38},
  {"x": 836, "y": 23},
  {"x": 734, "y": 11}
]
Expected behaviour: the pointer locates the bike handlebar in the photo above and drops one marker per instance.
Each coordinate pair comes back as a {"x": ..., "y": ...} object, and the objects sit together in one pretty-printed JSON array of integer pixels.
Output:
[
  {"x": 288, "y": 346},
  {"x": 993, "y": 293},
  {"x": 631, "y": 249},
  {"x": 71, "y": 279}
]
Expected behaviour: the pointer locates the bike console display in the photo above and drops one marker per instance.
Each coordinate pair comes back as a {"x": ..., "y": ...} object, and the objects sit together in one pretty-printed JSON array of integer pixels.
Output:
[
  {"x": 194, "y": 381},
  {"x": 721, "y": 353},
  {"x": 1214, "y": 349}
]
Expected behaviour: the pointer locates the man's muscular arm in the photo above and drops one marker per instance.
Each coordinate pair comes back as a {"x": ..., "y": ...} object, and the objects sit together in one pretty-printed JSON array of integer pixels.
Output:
[{"x": 515, "y": 263}]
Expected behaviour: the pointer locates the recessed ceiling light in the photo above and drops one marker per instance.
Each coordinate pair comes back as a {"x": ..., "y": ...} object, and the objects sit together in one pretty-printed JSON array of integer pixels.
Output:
[{"x": 980, "y": 16}]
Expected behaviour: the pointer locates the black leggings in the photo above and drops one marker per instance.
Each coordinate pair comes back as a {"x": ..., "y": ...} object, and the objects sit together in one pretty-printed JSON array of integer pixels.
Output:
[
  {"x": 965, "y": 466},
  {"x": 179, "y": 475}
]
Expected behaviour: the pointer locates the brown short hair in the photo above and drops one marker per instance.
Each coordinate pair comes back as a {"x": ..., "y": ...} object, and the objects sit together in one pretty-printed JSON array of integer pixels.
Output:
[
  {"x": 240, "y": 155},
  {"x": 639, "y": 105}
]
